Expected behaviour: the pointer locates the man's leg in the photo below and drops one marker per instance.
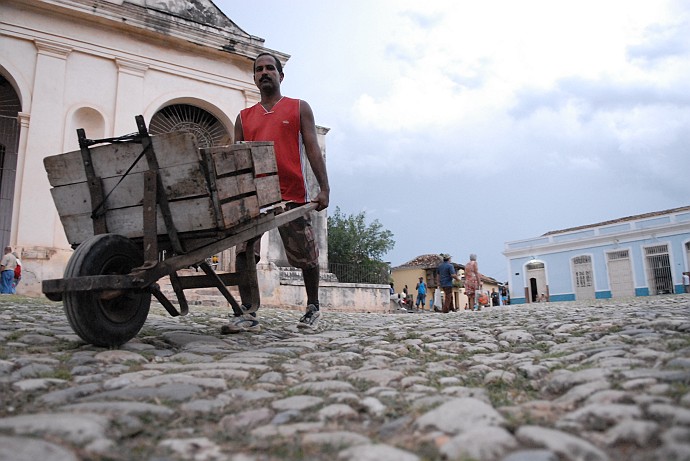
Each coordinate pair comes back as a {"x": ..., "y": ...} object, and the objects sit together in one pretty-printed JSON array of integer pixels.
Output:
[
  {"x": 4, "y": 277},
  {"x": 10, "y": 282},
  {"x": 243, "y": 288},
  {"x": 244, "y": 322},
  {"x": 302, "y": 252},
  {"x": 448, "y": 299},
  {"x": 311, "y": 284}
]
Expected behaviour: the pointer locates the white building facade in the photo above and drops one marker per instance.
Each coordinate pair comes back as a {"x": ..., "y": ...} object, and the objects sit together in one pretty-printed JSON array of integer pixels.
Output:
[
  {"x": 69, "y": 64},
  {"x": 639, "y": 255}
]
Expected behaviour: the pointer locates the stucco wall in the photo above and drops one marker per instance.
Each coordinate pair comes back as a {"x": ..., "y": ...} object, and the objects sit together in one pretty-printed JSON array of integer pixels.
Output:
[{"x": 557, "y": 251}]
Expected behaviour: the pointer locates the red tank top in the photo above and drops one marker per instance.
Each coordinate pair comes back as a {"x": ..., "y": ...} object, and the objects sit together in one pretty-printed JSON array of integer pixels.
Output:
[{"x": 282, "y": 126}]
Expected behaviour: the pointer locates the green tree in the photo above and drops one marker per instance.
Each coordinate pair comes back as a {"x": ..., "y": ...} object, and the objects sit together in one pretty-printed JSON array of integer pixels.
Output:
[{"x": 355, "y": 248}]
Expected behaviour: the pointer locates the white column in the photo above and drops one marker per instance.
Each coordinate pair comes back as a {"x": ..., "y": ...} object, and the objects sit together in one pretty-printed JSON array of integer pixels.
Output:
[
  {"x": 36, "y": 221},
  {"x": 130, "y": 95}
]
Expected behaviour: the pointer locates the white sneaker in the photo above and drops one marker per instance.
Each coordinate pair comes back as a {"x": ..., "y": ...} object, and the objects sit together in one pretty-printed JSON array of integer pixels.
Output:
[
  {"x": 242, "y": 323},
  {"x": 311, "y": 318}
]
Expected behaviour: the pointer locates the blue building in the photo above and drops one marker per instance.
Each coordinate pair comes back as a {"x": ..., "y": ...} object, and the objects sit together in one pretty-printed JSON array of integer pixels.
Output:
[{"x": 639, "y": 255}]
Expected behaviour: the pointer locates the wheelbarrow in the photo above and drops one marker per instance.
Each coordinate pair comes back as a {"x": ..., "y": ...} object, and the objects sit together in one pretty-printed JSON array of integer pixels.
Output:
[{"x": 110, "y": 195}]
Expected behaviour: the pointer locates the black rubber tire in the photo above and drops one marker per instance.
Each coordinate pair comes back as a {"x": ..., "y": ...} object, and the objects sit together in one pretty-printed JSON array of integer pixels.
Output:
[
  {"x": 113, "y": 322},
  {"x": 57, "y": 297}
]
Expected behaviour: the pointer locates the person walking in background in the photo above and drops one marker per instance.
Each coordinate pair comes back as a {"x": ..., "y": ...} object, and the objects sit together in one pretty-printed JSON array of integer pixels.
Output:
[
  {"x": 473, "y": 281},
  {"x": 17, "y": 272},
  {"x": 421, "y": 293},
  {"x": 494, "y": 297},
  {"x": 504, "y": 296},
  {"x": 289, "y": 123},
  {"x": 445, "y": 274},
  {"x": 7, "y": 265},
  {"x": 686, "y": 281}
]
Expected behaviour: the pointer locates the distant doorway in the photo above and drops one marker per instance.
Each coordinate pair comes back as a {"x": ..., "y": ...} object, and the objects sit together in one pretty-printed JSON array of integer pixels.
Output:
[
  {"x": 620, "y": 274},
  {"x": 536, "y": 275},
  {"x": 9, "y": 146},
  {"x": 584, "y": 279},
  {"x": 659, "y": 278},
  {"x": 533, "y": 289}
]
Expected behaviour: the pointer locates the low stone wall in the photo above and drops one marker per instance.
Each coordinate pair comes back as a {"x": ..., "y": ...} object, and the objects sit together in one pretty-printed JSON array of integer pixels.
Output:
[
  {"x": 282, "y": 287},
  {"x": 342, "y": 297}
]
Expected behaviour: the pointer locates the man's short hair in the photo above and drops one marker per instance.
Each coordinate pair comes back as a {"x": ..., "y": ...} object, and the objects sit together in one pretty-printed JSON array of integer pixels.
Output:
[{"x": 279, "y": 66}]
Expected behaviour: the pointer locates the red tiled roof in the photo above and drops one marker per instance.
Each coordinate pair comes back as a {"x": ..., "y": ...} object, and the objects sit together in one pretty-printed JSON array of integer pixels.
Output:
[{"x": 429, "y": 261}]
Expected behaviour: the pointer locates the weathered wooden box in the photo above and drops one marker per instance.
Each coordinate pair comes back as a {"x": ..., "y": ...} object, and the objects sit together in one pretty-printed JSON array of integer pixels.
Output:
[
  {"x": 246, "y": 179},
  {"x": 207, "y": 189}
]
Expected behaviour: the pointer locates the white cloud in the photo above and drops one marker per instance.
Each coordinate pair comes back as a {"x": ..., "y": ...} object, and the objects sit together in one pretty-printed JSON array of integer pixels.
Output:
[{"x": 470, "y": 59}]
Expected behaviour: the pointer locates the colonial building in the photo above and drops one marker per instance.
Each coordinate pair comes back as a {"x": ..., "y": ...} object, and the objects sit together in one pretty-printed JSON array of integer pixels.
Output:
[
  {"x": 638, "y": 255},
  {"x": 69, "y": 64}
]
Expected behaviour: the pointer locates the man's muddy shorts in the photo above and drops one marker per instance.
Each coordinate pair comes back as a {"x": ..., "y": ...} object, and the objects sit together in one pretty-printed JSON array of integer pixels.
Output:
[{"x": 298, "y": 240}]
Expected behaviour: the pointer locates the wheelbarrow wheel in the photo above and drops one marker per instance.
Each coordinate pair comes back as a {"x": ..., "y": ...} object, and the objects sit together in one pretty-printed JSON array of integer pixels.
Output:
[{"x": 101, "y": 320}]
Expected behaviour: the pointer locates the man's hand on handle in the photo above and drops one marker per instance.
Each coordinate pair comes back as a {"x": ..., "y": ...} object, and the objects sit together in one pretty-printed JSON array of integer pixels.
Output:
[{"x": 322, "y": 200}]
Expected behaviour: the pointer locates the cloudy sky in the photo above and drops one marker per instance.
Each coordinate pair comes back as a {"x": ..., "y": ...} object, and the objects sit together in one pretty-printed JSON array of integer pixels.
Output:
[{"x": 462, "y": 125}]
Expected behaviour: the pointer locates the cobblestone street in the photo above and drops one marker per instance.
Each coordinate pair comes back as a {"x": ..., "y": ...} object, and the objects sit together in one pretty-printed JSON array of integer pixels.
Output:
[{"x": 589, "y": 381}]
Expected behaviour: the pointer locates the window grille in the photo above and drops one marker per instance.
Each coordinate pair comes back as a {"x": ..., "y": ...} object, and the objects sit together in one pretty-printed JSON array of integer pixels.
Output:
[
  {"x": 656, "y": 250},
  {"x": 582, "y": 260},
  {"x": 533, "y": 266},
  {"x": 583, "y": 275},
  {"x": 583, "y": 279},
  {"x": 615, "y": 255},
  {"x": 208, "y": 130},
  {"x": 659, "y": 270}
]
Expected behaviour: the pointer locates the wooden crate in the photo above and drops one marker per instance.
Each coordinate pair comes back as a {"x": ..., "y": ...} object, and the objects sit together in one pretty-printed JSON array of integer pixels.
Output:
[
  {"x": 246, "y": 179},
  {"x": 199, "y": 198}
]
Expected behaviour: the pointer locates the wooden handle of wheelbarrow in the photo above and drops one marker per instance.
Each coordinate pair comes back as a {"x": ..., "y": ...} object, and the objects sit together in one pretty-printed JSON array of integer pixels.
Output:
[{"x": 290, "y": 215}]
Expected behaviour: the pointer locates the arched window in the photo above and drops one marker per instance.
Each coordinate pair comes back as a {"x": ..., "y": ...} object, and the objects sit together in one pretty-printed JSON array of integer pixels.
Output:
[{"x": 205, "y": 126}]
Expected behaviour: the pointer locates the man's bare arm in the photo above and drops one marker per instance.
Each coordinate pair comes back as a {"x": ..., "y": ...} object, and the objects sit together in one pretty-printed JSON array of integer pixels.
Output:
[
  {"x": 311, "y": 145},
  {"x": 239, "y": 133}
]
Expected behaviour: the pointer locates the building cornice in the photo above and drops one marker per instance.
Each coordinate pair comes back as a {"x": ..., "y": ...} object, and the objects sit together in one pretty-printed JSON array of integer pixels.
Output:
[
  {"x": 618, "y": 238},
  {"x": 229, "y": 38},
  {"x": 49, "y": 44}
]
